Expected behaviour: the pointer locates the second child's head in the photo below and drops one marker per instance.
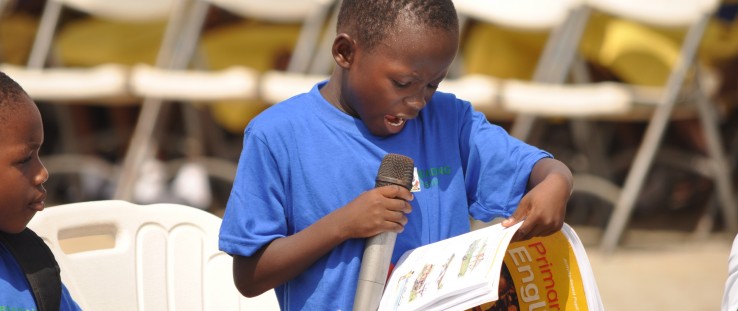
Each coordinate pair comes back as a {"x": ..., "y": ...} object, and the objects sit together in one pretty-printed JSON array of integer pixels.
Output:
[
  {"x": 391, "y": 56},
  {"x": 22, "y": 174}
]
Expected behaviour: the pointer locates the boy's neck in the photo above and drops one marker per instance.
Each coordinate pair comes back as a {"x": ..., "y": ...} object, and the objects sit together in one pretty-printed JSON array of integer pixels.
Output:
[{"x": 331, "y": 92}]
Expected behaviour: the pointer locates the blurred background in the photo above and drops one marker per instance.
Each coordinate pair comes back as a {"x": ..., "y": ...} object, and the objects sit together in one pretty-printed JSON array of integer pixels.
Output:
[{"x": 146, "y": 101}]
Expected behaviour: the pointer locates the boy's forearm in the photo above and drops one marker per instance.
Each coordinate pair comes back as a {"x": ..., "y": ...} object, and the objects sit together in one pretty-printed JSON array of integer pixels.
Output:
[
  {"x": 285, "y": 258},
  {"x": 550, "y": 167},
  {"x": 544, "y": 206}
]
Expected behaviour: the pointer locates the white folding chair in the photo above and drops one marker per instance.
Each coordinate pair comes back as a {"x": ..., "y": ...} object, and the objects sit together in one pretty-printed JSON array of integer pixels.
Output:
[
  {"x": 44, "y": 78},
  {"x": 179, "y": 81},
  {"x": 658, "y": 103},
  {"x": 48, "y": 80},
  {"x": 511, "y": 99},
  {"x": 116, "y": 255},
  {"x": 693, "y": 15}
]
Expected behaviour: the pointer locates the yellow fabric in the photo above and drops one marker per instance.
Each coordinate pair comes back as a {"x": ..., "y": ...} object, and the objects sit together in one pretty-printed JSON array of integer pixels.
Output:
[
  {"x": 488, "y": 49},
  {"x": 720, "y": 42},
  {"x": 260, "y": 46},
  {"x": 615, "y": 44},
  {"x": 611, "y": 43},
  {"x": 256, "y": 45},
  {"x": 248, "y": 43},
  {"x": 91, "y": 41},
  {"x": 17, "y": 32},
  {"x": 619, "y": 46}
]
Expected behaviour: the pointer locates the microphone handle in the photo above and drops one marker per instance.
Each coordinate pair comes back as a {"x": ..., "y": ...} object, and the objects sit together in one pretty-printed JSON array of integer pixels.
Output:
[
  {"x": 395, "y": 169},
  {"x": 374, "y": 271}
]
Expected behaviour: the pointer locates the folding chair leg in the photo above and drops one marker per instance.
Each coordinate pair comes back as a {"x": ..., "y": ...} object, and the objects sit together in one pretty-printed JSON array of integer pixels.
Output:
[
  {"x": 588, "y": 137},
  {"x": 721, "y": 168},
  {"x": 707, "y": 220},
  {"x": 636, "y": 177},
  {"x": 557, "y": 59},
  {"x": 142, "y": 143},
  {"x": 652, "y": 139},
  {"x": 721, "y": 197},
  {"x": 644, "y": 158},
  {"x": 523, "y": 126}
]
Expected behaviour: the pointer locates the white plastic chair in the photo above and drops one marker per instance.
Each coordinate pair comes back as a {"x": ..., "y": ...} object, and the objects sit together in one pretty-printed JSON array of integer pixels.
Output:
[{"x": 115, "y": 255}]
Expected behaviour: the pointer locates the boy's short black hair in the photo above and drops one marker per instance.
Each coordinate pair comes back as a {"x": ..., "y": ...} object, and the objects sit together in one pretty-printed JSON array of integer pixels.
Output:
[
  {"x": 11, "y": 93},
  {"x": 370, "y": 21}
]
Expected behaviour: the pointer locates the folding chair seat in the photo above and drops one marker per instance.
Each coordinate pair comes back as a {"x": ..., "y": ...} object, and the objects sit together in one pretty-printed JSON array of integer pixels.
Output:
[
  {"x": 656, "y": 105},
  {"x": 116, "y": 255}
]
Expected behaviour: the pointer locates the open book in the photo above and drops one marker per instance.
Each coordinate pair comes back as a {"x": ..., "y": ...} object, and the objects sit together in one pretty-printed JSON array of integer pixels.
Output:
[{"x": 481, "y": 270}]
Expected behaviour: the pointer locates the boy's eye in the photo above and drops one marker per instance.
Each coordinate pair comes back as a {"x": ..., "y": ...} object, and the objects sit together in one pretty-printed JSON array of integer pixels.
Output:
[
  {"x": 435, "y": 84},
  {"x": 25, "y": 160},
  {"x": 400, "y": 84}
]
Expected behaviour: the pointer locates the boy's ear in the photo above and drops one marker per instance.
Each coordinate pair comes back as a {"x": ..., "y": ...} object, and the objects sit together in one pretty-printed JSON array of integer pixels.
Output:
[{"x": 344, "y": 50}]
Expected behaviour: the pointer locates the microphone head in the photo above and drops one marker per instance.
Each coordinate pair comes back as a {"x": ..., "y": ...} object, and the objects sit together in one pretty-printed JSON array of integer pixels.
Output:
[{"x": 395, "y": 169}]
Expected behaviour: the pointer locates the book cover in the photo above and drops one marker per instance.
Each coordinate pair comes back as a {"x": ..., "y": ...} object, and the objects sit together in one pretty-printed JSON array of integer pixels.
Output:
[{"x": 481, "y": 270}]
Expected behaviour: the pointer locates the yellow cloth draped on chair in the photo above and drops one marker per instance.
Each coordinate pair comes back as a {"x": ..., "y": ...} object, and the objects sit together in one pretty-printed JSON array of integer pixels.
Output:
[
  {"x": 257, "y": 45},
  {"x": 608, "y": 42}
]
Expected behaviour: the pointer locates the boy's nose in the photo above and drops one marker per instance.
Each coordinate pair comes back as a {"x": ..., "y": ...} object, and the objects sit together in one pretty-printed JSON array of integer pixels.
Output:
[
  {"x": 418, "y": 101},
  {"x": 43, "y": 174},
  {"x": 417, "y": 105}
]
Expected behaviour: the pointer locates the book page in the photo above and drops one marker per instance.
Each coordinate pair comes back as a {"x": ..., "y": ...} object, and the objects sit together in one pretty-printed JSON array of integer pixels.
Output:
[{"x": 449, "y": 273}]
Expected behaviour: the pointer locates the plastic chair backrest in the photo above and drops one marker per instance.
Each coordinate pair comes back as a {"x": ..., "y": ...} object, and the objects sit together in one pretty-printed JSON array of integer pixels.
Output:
[{"x": 162, "y": 257}]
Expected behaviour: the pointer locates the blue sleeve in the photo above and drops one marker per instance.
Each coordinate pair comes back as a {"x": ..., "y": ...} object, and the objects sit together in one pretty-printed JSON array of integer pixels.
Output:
[
  {"x": 254, "y": 213},
  {"x": 498, "y": 167}
]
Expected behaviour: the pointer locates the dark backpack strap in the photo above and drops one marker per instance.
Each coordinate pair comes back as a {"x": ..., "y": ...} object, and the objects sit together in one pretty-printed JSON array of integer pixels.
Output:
[{"x": 39, "y": 266}]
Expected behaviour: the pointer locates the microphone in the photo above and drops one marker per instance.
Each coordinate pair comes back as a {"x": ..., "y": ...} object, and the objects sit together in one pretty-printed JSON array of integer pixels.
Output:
[{"x": 395, "y": 170}]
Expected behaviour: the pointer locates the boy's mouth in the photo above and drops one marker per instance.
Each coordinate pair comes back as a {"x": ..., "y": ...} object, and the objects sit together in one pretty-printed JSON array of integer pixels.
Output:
[
  {"x": 395, "y": 121},
  {"x": 39, "y": 203}
]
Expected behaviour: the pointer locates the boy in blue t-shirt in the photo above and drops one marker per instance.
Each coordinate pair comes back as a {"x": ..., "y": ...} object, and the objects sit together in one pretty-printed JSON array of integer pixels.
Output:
[
  {"x": 303, "y": 200},
  {"x": 22, "y": 194}
]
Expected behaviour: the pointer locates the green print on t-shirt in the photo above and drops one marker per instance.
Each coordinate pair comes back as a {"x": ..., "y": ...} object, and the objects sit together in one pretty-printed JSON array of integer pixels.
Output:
[{"x": 429, "y": 178}]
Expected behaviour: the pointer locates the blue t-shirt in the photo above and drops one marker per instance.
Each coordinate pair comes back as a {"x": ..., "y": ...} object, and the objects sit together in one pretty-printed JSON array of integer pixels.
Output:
[
  {"x": 16, "y": 293},
  {"x": 303, "y": 158}
]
